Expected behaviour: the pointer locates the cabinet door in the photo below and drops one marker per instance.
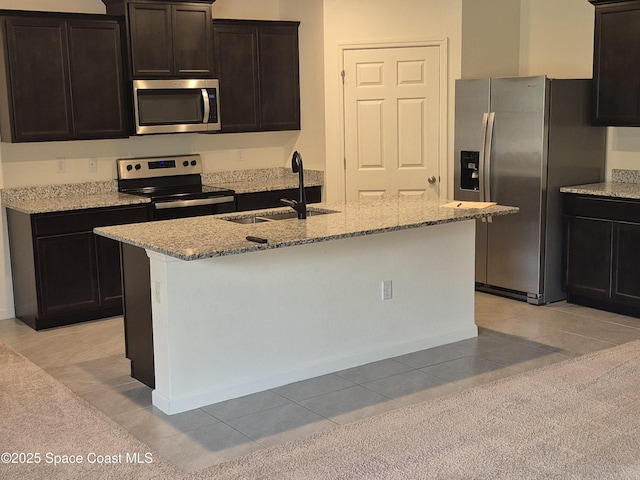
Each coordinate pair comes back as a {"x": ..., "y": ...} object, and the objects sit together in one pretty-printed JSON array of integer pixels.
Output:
[
  {"x": 109, "y": 278},
  {"x": 588, "y": 257},
  {"x": 96, "y": 79},
  {"x": 193, "y": 40},
  {"x": 270, "y": 199},
  {"x": 67, "y": 273},
  {"x": 39, "y": 79},
  {"x": 615, "y": 72},
  {"x": 279, "y": 77},
  {"x": 626, "y": 276},
  {"x": 236, "y": 56},
  {"x": 151, "y": 39}
]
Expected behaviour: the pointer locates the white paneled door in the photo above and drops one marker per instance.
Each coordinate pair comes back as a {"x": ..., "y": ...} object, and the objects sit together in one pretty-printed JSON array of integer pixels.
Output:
[{"x": 392, "y": 121}]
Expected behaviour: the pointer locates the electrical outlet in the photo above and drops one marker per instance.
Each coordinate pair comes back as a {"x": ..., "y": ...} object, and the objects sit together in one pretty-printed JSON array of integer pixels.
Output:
[
  {"x": 61, "y": 165},
  {"x": 156, "y": 292},
  {"x": 93, "y": 165},
  {"x": 387, "y": 290}
]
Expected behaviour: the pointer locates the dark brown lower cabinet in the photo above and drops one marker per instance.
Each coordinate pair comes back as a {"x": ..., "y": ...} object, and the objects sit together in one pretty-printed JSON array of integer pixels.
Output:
[
  {"x": 602, "y": 259},
  {"x": 62, "y": 272},
  {"x": 271, "y": 199}
]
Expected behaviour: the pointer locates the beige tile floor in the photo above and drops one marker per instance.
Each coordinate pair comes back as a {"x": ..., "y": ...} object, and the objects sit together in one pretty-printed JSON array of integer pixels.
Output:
[{"x": 514, "y": 337}]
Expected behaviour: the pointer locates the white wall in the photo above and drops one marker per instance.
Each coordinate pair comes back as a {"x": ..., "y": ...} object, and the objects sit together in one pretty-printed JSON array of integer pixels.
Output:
[
  {"x": 556, "y": 38},
  {"x": 490, "y": 38}
]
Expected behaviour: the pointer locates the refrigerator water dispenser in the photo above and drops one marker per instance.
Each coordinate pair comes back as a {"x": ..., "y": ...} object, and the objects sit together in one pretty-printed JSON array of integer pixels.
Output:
[{"x": 469, "y": 175}]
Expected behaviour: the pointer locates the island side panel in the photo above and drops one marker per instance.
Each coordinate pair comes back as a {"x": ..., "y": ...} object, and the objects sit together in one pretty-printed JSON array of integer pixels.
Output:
[
  {"x": 234, "y": 325},
  {"x": 138, "y": 326}
]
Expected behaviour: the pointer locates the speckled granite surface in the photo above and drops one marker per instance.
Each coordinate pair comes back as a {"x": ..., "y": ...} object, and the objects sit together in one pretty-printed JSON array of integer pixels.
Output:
[
  {"x": 73, "y": 196},
  {"x": 262, "y": 180},
  {"x": 79, "y": 196},
  {"x": 212, "y": 236},
  {"x": 624, "y": 184}
]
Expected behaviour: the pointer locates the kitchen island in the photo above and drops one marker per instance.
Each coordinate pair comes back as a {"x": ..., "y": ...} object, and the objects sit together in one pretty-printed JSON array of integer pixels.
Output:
[{"x": 362, "y": 282}]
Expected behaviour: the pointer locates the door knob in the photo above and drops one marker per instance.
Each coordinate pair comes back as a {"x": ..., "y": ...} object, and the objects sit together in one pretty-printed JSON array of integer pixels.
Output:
[{"x": 432, "y": 179}]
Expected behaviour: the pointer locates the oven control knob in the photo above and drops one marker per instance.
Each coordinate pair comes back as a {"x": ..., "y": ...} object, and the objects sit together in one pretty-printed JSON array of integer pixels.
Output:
[
  {"x": 185, "y": 163},
  {"x": 193, "y": 162},
  {"x": 138, "y": 166},
  {"x": 129, "y": 168}
]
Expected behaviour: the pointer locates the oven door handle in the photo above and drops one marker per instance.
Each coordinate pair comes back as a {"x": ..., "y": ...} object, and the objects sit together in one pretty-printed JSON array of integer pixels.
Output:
[{"x": 193, "y": 202}]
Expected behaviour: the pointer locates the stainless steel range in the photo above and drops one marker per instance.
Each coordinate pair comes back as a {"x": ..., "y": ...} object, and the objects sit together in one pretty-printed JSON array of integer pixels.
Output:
[{"x": 174, "y": 185}]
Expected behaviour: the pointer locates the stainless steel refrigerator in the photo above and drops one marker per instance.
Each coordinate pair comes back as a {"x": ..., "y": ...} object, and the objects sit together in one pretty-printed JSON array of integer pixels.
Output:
[{"x": 517, "y": 141}]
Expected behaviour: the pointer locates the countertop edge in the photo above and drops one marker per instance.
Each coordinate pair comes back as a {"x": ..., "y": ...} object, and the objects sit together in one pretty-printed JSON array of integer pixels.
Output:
[
  {"x": 464, "y": 215},
  {"x": 618, "y": 190}
]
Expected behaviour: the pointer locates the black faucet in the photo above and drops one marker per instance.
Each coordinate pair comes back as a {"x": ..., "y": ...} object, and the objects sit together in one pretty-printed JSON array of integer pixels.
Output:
[{"x": 299, "y": 205}]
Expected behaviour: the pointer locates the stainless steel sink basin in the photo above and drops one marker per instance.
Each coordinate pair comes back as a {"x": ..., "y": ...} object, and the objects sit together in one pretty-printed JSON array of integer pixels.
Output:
[
  {"x": 272, "y": 217},
  {"x": 247, "y": 220}
]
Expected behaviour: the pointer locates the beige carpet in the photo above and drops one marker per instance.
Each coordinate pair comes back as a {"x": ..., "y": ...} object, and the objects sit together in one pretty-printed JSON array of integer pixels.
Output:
[
  {"x": 576, "y": 420},
  {"x": 579, "y": 419},
  {"x": 42, "y": 422}
]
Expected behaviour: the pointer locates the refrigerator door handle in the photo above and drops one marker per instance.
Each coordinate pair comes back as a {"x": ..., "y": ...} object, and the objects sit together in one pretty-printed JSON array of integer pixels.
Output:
[
  {"x": 487, "y": 158},
  {"x": 487, "y": 155},
  {"x": 483, "y": 148}
]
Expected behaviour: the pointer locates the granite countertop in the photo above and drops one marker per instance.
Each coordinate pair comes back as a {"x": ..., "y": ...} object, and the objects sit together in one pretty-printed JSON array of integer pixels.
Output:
[
  {"x": 73, "y": 196},
  {"x": 606, "y": 189},
  {"x": 262, "y": 180},
  {"x": 623, "y": 184},
  {"x": 212, "y": 236},
  {"x": 80, "y": 196}
]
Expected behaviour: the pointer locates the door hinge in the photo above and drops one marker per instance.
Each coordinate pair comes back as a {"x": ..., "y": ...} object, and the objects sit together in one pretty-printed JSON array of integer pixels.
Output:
[
  {"x": 344, "y": 162},
  {"x": 343, "y": 74}
]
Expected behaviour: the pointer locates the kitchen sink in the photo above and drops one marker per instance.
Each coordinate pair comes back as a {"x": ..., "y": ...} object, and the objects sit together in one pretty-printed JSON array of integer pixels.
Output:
[
  {"x": 247, "y": 220},
  {"x": 272, "y": 217}
]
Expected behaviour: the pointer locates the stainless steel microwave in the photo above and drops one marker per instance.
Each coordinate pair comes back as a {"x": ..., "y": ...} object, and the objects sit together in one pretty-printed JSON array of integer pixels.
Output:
[{"x": 175, "y": 106}]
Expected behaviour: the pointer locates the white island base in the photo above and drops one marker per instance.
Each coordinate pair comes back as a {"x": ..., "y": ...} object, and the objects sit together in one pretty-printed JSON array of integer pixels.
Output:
[{"x": 229, "y": 326}]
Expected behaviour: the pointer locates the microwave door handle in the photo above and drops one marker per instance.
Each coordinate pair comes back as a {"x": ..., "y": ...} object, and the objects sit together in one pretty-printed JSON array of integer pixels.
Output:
[{"x": 207, "y": 106}]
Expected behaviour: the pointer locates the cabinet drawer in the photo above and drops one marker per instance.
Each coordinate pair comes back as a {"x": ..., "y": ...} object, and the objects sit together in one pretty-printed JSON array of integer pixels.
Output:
[
  {"x": 87, "y": 220},
  {"x": 599, "y": 207}
]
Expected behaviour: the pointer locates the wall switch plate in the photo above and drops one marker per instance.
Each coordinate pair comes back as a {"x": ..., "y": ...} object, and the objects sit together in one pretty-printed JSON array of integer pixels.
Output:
[
  {"x": 387, "y": 290},
  {"x": 61, "y": 165},
  {"x": 156, "y": 292},
  {"x": 93, "y": 165}
]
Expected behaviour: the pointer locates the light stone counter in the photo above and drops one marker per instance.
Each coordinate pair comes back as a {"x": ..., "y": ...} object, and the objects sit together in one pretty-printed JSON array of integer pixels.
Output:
[
  {"x": 72, "y": 196},
  {"x": 79, "y": 196},
  {"x": 213, "y": 236},
  {"x": 606, "y": 189},
  {"x": 624, "y": 184},
  {"x": 262, "y": 180}
]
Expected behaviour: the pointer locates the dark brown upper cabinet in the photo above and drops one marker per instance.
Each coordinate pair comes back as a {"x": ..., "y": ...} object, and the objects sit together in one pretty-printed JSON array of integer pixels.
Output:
[
  {"x": 616, "y": 74},
  {"x": 167, "y": 39},
  {"x": 62, "y": 78},
  {"x": 258, "y": 67}
]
